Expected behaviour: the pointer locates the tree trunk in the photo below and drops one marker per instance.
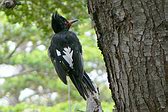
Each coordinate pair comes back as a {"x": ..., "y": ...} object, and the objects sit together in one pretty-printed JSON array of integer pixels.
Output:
[{"x": 133, "y": 38}]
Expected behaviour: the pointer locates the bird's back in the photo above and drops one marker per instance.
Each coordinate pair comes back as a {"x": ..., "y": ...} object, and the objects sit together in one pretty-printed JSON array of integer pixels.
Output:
[
  {"x": 64, "y": 39},
  {"x": 66, "y": 54}
]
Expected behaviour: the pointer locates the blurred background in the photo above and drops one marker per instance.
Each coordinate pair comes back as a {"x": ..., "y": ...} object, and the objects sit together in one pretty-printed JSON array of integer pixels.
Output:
[{"x": 28, "y": 81}]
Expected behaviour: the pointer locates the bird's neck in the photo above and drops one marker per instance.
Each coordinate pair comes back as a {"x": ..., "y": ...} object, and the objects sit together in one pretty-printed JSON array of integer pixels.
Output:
[{"x": 64, "y": 30}]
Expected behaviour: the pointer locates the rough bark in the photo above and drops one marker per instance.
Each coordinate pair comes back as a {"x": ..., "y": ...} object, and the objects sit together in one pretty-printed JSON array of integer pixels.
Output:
[
  {"x": 133, "y": 38},
  {"x": 93, "y": 102}
]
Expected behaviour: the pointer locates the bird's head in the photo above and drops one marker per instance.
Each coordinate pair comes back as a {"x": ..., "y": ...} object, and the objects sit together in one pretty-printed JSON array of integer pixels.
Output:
[{"x": 59, "y": 23}]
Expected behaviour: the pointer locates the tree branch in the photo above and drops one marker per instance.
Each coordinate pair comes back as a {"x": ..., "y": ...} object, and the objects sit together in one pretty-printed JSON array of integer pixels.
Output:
[
  {"x": 93, "y": 102},
  {"x": 9, "y": 3},
  {"x": 19, "y": 43}
]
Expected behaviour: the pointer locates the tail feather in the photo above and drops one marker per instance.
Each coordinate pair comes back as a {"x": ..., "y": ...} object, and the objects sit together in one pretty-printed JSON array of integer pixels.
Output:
[
  {"x": 84, "y": 85},
  {"x": 88, "y": 83},
  {"x": 79, "y": 86}
]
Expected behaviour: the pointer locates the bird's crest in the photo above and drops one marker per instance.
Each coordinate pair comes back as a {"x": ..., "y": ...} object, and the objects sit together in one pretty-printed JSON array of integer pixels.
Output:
[{"x": 59, "y": 23}]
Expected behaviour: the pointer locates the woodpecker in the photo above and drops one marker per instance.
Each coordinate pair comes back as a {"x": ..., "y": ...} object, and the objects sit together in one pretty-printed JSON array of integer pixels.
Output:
[{"x": 65, "y": 52}]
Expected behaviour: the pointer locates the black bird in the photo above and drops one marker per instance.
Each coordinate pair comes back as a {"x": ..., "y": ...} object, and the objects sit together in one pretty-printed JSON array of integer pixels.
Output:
[{"x": 65, "y": 52}]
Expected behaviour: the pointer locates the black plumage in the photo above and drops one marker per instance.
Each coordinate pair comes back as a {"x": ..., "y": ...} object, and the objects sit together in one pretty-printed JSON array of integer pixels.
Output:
[{"x": 66, "y": 55}]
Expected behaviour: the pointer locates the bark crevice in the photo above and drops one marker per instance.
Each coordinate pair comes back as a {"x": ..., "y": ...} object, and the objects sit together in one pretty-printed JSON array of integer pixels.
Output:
[{"x": 132, "y": 37}]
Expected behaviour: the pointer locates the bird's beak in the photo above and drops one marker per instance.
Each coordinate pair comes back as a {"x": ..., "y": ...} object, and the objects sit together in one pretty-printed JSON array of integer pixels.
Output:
[{"x": 72, "y": 21}]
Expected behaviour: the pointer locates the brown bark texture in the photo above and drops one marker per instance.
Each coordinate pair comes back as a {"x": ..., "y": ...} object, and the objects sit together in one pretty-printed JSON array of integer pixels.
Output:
[
  {"x": 133, "y": 38},
  {"x": 93, "y": 102}
]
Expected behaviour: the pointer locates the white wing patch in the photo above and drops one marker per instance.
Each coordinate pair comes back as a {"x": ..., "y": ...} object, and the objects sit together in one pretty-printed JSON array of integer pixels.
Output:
[
  {"x": 58, "y": 53},
  {"x": 68, "y": 56}
]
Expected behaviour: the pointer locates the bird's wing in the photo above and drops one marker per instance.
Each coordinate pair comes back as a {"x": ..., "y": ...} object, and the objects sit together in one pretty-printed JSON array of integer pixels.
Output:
[
  {"x": 66, "y": 55},
  {"x": 58, "y": 63},
  {"x": 75, "y": 45}
]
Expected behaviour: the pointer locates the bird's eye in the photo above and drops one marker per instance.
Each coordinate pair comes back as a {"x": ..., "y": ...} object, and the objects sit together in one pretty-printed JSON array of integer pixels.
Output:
[{"x": 67, "y": 24}]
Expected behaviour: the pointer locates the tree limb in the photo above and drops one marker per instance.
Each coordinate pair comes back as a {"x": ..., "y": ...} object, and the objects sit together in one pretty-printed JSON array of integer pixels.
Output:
[
  {"x": 93, "y": 102},
  {"x": 19, "y": 43},
  {"x": 9, "y": 3}
]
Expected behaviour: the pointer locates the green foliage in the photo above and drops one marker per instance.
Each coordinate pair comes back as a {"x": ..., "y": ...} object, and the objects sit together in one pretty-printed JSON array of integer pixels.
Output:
[
  {"x": 39, "y": 11},
  {"x": 60, "y": 107},
  {"x": 36, "y": 59},
  {"x": 30, "y": 23}
]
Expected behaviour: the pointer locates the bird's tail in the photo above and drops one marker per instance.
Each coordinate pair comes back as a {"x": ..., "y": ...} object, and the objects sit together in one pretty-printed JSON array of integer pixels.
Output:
[{"x": 83, "y": 85}]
